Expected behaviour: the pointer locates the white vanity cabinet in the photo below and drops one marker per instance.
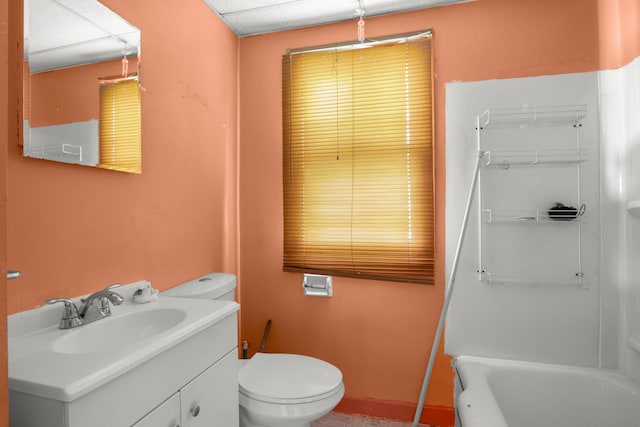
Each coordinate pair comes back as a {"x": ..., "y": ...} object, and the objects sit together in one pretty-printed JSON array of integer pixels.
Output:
[
  {"x": 192, "y": 382},
  {"x": 212, "y": 398},
  {"x": 165, "y": 415},
  {"x": 209, "y": 400}
]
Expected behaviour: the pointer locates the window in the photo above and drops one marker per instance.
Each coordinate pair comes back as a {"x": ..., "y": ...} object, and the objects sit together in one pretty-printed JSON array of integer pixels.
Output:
[
  {"x": 358, "y": 160},
  {"x": 120, "y": 128}
]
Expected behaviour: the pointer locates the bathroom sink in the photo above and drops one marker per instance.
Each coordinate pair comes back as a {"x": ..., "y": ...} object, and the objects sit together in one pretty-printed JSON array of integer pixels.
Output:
[
  {"x": 66, "y": 364},
  {"x": 112, "y": 334}
]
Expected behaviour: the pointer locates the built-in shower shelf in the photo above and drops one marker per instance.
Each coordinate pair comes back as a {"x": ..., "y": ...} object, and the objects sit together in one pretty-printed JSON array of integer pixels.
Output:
[
  {"x": 633, "y": 207},
  {"x": 525, "y": 216},
  {"x": 574, "y": 281},
  {"x": 505, "y": 159},
  {"x": 569, "y": 115}
]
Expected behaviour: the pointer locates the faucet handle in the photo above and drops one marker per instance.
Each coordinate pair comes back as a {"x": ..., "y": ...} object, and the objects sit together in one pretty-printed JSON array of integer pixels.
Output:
[
  {"x": 102, "y": 294},
  {"x": 114, "y": 297},
  {"x": 70, "y": 316},
  {"x": 112, "y": 286}
]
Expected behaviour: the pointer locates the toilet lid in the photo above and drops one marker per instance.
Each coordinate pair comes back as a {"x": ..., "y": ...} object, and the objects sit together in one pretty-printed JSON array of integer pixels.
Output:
[{"x": 287, "y": 377}]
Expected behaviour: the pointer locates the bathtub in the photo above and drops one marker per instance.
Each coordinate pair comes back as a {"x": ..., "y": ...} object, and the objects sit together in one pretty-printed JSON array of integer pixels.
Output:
[{"x": 500, "y": 393}]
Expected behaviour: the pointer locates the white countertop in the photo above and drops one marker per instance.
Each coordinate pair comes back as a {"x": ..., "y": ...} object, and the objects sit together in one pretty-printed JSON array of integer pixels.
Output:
[{"x": 35, "y": 367}]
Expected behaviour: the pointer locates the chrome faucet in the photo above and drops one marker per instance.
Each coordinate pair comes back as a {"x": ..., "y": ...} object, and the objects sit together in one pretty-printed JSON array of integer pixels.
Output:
[
  {"x": 70, "y": 316},
  {"x": 95, "y": 307}
]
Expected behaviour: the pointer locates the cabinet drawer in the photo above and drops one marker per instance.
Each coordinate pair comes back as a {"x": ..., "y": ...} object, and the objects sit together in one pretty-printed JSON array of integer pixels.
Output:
[
  {"x": 211, "y": 399},
  {"x": 165, "y": 415}
]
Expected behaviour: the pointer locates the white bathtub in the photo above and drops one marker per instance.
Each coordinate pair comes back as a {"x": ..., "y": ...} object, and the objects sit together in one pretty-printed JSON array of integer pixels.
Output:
[{"x": 501, "y": 393}]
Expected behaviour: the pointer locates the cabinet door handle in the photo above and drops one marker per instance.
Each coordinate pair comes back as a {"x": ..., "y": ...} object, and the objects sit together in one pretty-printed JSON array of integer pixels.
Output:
[{"x": 195, "y": 411}]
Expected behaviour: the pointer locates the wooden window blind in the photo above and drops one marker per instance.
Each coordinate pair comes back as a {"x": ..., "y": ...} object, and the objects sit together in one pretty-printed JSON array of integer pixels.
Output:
[
  {"x": 358, "y": 161},
  {"x": 120, "y": 126}
]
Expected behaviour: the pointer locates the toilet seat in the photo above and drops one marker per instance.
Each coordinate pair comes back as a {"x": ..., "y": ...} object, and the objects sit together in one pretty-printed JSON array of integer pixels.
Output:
[{"x": 288, "y": 378}]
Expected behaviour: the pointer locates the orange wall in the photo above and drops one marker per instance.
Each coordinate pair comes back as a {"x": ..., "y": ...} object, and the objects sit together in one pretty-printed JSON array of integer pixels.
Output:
[
  {"x": 618, "y": 30},
  {"x": 70, "y": 94},
  {"x": 10, "y": 78},
  {"x": 74, "y": 229},
  {"x": 379, "y": 333}
]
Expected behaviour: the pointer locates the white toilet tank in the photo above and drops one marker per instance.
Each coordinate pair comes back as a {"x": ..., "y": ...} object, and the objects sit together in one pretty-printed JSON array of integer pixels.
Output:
[{"x": 218, "y": 286}]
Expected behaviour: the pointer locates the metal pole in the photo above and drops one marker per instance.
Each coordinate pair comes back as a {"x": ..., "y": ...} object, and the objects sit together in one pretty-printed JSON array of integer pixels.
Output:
[{"x": 448, "y": 292}]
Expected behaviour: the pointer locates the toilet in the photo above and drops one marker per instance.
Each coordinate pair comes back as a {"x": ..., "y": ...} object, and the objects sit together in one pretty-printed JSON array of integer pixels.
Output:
[{"x": 276, "y": 390}]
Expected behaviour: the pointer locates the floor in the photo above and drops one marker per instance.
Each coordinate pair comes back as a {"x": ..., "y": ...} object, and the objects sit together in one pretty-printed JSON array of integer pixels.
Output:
[{"x": 335, "y": 419}]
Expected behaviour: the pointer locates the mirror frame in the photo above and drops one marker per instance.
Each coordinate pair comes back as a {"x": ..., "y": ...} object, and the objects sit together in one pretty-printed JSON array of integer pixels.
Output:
[{"x": 63, "y": 77}]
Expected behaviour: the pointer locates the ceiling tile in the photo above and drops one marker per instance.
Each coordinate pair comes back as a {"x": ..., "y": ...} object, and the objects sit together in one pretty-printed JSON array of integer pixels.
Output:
[
  {"x": 231, "y": 6},
  {"x": 250, "y": 17},
  {"x": 302, "y": 13},
  {"x": 70, "y": 32}
]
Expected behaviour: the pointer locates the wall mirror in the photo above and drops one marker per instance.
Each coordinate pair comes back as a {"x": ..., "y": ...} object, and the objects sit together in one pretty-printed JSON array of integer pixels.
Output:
[{"x": 81, "y": 85}]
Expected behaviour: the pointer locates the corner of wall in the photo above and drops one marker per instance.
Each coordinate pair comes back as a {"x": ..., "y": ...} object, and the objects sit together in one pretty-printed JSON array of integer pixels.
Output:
[{"x": 620, "y": 133}]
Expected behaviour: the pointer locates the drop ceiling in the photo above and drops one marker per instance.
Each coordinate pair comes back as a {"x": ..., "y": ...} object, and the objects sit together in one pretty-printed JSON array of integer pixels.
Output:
[
  {"x": 251, "y": 17},
  {"x": 60, "y": 33},
  {"x": 63, "y": 33}
]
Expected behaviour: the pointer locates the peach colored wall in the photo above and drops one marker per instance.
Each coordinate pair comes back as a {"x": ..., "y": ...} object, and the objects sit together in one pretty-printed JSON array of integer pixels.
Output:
[
  {"x": 379, "y": 333},
  {"x": 618, "y": 30},
  {"x": 70, "y": 94},
  {"x": 74, "y": 229},
  {"x": 10, "y": 78}
]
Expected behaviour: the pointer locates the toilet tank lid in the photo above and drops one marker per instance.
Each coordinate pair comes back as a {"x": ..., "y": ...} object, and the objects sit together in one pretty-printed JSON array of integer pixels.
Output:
[{"x": 210, "y": 286}]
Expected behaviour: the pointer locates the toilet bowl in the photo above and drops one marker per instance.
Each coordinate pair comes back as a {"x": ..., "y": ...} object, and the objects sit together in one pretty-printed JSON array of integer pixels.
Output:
[
  {"x": 276, "y": 390},
  {"x": 287, "y": 390}
]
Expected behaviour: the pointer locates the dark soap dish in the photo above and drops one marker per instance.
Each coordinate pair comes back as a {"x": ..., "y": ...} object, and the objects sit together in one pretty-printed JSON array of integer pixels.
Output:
[{"x": 560, "y": 212}]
